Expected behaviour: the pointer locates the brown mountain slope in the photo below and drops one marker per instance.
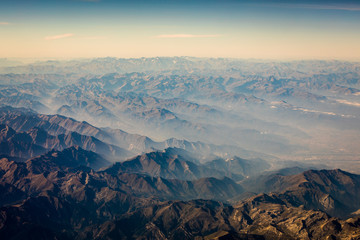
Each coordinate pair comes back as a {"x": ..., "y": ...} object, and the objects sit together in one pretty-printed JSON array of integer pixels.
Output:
[
  {"x": 37, "y": 141},
  {"x": 334, "y": 191},
  {"x": 166, "y": 164},
  {"x": 21, "y": 119},
  {"x": 69, "y": 171},
  {"x": 55, "y": 199},
  {"x": 261, "y": 217}
]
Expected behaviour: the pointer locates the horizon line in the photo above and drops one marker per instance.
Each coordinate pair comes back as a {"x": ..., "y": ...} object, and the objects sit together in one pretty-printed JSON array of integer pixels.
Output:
[{"x": 195, "y": 57}]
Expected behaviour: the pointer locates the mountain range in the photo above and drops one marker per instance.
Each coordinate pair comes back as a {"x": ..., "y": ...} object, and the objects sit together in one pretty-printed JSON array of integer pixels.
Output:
[
  {"x": 179, "y": 148},
  {"x": 59, "y": 196}
]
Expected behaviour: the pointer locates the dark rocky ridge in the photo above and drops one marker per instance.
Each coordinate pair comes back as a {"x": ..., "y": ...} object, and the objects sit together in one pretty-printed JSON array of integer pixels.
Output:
[
  {"x": 333, "y": 191},
  {"x": 36, "y": 141},
  {"x": 57, "y": 196},
  {"x": 170, "y": 164}
]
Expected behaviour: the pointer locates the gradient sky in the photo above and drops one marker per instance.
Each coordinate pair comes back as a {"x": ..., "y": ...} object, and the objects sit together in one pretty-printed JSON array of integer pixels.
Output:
[{"x": 212, "y": 28}]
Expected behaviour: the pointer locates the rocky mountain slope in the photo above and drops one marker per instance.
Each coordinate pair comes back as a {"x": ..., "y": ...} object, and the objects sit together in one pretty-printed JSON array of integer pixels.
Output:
[
  {"x": 169, "y": 164},
  {"x": 59, "y": 196},
  {"x": 333, "y": 191},
  {"x": 36, "y": 141}
]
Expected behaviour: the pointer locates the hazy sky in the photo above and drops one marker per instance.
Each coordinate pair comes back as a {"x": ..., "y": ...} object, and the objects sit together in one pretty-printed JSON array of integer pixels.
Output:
[{"x": 212, "y": 28}]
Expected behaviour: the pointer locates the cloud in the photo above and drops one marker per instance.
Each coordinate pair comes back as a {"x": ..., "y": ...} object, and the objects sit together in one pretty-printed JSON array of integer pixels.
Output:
[
  {"x": 356, "y": 104},
  {"x": 4, "y": 23},
  {"x": 59, "y": 36},
  {"x": 186, "y": 36},
  {"x": 344, "y": 7},
  {"x": 94, "y": 38}
]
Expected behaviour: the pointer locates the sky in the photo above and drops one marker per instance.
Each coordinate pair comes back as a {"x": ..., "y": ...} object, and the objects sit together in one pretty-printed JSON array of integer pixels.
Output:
[{"x": 260, "y": 29}]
